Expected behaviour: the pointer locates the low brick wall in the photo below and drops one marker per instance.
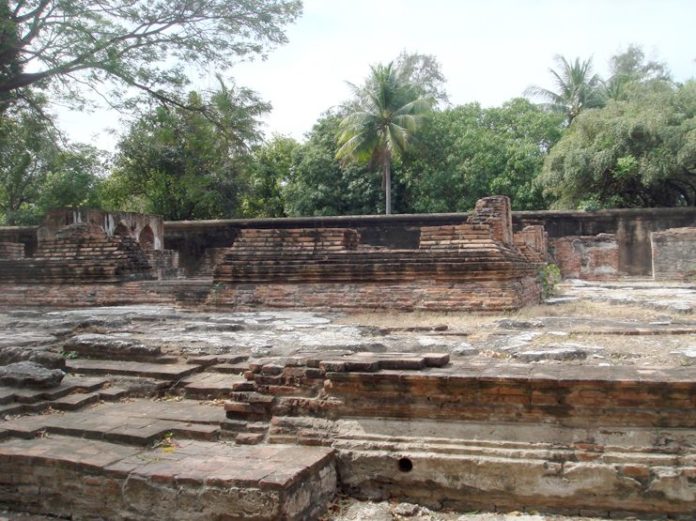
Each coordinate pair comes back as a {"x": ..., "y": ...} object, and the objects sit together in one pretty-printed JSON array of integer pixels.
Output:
[
  {"x": 468, "y": 266},
  {"x": 428, "y": 294},
  {"x": 172, "y": 292},
  {"x": 674, "y": 254},
  {"x": 589, "y": 257}
]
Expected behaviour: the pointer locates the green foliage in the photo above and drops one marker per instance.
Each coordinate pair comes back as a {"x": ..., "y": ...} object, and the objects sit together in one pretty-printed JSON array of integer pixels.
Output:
[
  {"x": 269, "y": 172},
  {"x": 468, "y": 152},
  {"x": 319, "y": 185},
  {"x": 640, "y": 151},
  {"x": 382, "y": 125},
  {"x": 630, "y": 68},
  {"x": 38, "y": 172},
  {"x": 176, "y": 163},
  {"x": 576, "y": 88},
  {"x": 549, "y": 276},
  {"x": 118, "y": 47}
]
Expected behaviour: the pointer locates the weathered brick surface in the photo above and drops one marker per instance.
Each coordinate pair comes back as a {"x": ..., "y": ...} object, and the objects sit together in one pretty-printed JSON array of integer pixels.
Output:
[
  {"x": 481, "y": 295},
  {"x": 464, "y": 266},
  {"x": 147, "y": 230},
  {"x": 532, "y": 242},
  {"x": 11, "y": 250},
  {"x": 587, "y": 257},
  {"x": 494, "y": 211},
  {"x": 83, "y": 479},
  {"x": 165, "y": 263},
  {"x": 674, "y": 254},
  {"x": 104, "y": 294},
  {"x": 489, "y": 437}
]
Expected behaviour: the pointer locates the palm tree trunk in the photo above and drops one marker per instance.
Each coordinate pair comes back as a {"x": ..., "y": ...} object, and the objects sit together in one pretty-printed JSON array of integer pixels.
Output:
[{"x": 387, "y": 186}]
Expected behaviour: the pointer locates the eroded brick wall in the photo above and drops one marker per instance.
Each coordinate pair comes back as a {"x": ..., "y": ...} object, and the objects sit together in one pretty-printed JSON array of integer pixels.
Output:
[
  {"x": 494, "y": 211},
  {"x": 674, "y": 254},
  {"x": 591, "y": 258},
  {"x": 11, "y": 250},
  {"x": 532, "y": 241},
  {"x": 467, "y": 266}
]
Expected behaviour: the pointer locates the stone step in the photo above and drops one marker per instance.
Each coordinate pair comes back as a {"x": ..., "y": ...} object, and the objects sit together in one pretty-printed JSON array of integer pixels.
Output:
[
  {"x": 171, "y": 372},
  {"x": 69, "y": 384},
  {"x": 142, "y": 422},
  {"x": 212, "y": 385},
  {"x": 77, "y": 478}
]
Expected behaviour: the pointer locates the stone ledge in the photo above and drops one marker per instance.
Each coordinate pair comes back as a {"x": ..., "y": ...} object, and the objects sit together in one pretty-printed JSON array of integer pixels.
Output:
[{"x": 193, "y": 480}]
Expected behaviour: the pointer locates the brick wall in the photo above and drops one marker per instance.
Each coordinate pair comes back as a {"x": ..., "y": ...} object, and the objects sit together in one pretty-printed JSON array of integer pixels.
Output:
[
  {"x": 592, "y": 258},
  {"x": 674, "y": 254},
  {"x": 11, "y": 250}
]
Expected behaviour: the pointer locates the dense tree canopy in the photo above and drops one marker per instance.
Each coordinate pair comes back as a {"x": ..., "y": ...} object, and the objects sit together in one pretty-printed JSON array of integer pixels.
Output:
[
  {"x": 468, "y": 152},
  {"x": 38, "y": 172},
  {"x": 624, "y": 141},
  {"x": 318, "y": 184},
  {"x": 382, "y": 125},
  {"x": 576, "y": 88},
  {"x": 178, "y": 164},
  {"x": 640, "y": 151},
  {"x": 111, "y": 46}
]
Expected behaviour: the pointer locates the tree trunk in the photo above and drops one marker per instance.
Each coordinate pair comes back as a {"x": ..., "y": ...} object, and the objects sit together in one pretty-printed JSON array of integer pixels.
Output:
[{"x": 387, "y": 186}]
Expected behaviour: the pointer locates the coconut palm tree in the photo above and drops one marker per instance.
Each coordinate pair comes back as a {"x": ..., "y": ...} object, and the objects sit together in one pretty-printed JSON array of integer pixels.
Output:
[
  {"x": 577, "y": 88},
  {"x": 382, "y": 122}
]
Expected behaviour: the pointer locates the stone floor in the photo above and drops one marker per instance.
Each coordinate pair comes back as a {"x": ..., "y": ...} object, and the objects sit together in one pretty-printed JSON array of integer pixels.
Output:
[{"x": 145, "y": 384}]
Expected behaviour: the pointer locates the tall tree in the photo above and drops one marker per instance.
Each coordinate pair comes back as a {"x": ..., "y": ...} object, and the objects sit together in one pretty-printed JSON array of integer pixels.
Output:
[
  {"x": 576, "y": 88},
  {"x": 635, "y": 152},
  {"x": 319, "y": 184},
  {"x": 382, "y": 126},
  {"x": 177, "y": 163},
  {"x": 39, "y": 171},
  {"x": 28, "y": 148},
  {"x": 116, "y": 46},
  {"x": 270, "y": 171},
  {"x": 468, "y": 152},
  {"x": 630, "y": 68}
]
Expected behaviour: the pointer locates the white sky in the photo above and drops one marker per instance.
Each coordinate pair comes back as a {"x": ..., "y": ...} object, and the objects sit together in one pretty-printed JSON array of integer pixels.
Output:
[{"x": 489, "y": 50}]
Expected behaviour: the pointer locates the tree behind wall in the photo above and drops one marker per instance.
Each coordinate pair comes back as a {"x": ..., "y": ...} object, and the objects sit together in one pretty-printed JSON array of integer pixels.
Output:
[
  {"x": 636, "y": 152},
  {"x": 177, "y": 163},
  {"x": 382, "y": 125}
]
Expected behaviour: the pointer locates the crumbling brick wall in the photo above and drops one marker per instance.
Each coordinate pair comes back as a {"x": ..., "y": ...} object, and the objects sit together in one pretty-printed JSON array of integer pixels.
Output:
[
  {"x": 11, "y": 250},
  {"x": 470, "y": 266},
  {"x": 587, "y": 257},
  {"x": 674, "y": 254}
]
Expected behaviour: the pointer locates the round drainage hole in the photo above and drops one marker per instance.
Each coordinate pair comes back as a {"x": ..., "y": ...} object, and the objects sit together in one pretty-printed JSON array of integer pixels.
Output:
[{"x": 405, "y": 465}]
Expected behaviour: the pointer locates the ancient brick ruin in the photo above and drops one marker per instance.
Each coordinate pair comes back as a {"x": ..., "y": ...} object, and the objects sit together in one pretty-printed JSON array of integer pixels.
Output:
[
  {"x": 472, "y": 266},
  {"x": 587, "y": 257},
  {"x": 674, "y": 254},
  {"x": 207, "y": 402}
]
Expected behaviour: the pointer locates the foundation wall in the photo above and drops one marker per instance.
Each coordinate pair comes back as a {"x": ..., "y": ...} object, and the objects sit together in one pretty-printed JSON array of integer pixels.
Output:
[
  {"x": 632, "y": 228},
  {"x": 411, "y": 295}
]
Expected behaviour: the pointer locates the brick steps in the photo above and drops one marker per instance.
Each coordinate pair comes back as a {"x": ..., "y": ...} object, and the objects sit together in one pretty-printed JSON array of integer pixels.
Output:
[
  {"x": 79, "y": 260},
  {"x": 170, "y": 372},
  {"x": 490, "y": 437},
  {"x": 211, "y": 386},
  {"x": 467, "y": 266}
]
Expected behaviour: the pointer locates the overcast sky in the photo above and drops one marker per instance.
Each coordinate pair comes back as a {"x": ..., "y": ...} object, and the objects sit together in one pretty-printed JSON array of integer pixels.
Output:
[{"x": 489, "y": 50}]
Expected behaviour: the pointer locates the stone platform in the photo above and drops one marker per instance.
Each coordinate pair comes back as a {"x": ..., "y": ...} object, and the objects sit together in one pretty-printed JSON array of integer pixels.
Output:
[
  {"x": 186, "y": 479},
  {"x": 143, "y": 460},
  {"x": 472, "y": 266},
  {"x": 582, "y": 408}
]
